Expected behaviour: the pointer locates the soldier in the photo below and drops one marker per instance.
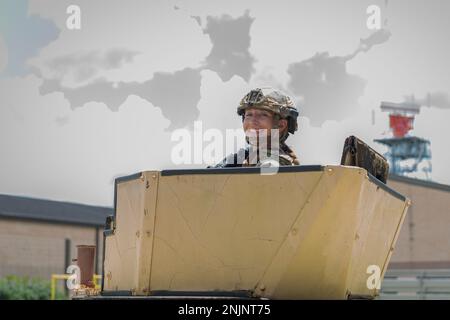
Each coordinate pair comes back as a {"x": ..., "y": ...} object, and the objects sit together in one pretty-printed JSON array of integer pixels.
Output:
[{"x": 262, "y": 110}]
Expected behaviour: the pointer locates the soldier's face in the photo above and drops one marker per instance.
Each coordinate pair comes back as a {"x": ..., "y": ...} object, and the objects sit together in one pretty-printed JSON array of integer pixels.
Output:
[{"x": 256, "y": 119}]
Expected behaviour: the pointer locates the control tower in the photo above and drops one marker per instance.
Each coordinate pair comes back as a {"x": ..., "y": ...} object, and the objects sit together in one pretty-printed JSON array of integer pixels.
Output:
[{"x": 407, "y": 155}]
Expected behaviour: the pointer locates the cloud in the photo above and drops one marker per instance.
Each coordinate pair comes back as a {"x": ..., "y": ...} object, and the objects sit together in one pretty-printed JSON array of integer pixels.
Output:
[
  {"x": 324, "y": 88},
  {"x": 167, "y": 40},
  {"x": 177, "y": 94},
  {"x": 436, "y": 99},
  {"x": 378, "y": 37},
  {"x": 105, "y": 72},
  {"x": 51, "y": 151},
  {"x": 100, "y": 90},
  {"x": 198, "y": 19},
  {"x": 230, "y": 54},
  {"x": 23, "y": 34},
  {"x": 85, "y": 66}
]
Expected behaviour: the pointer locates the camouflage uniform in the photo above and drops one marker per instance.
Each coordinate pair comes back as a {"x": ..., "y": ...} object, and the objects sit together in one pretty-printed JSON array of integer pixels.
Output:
[{"x": 283, "y": 108}]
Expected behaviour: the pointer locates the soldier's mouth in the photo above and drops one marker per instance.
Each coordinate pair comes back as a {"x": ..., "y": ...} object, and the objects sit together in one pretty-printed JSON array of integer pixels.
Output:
[{"x": 258, "y": 129}]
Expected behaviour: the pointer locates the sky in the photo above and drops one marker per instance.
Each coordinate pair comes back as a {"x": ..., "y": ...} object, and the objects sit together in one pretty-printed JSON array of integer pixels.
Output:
[{"x": 79, "y": 108}]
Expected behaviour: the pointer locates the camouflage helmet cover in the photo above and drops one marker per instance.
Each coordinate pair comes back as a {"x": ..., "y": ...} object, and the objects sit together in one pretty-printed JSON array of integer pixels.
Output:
[{"x": 271, "y": 100}]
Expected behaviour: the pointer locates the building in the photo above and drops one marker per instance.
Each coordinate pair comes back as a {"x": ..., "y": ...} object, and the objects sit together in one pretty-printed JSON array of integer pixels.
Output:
[
  {"x": 420, "y": 264},
  {"x": 39, "y": 237},
  {"x": 424, "y": 240}
]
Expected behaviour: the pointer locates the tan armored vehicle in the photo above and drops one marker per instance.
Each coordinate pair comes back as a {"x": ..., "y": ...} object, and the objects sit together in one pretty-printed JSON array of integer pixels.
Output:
[{"x": 307, "y": 232}]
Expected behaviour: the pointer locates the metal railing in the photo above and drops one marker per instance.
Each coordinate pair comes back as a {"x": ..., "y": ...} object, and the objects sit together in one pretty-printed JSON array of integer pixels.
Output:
[{"x": 55, "y": 277}]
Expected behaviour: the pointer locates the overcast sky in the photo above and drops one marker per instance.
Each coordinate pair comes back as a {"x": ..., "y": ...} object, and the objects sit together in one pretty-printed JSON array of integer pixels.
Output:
[{"x": 81, "y": 107}]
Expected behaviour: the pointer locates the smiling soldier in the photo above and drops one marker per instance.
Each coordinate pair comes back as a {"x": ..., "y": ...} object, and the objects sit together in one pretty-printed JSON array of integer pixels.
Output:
[{"x": 268, "y": 115}]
